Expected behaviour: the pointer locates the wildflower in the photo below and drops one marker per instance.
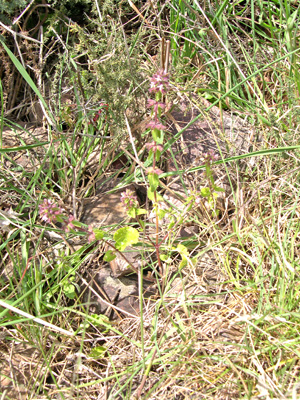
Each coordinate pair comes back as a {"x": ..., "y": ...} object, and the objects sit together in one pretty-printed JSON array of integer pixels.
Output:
[
  {"x": 157, "y": 106},
  {"x": 91, "y": 234},
  {"x": 210, "y": 156},
  {"x": 156, "y": 171},
  {"x": 49, "y": 212},
  {"x": 155, "y": 124},
  {"x": 129, "y": 199},
  {"x": 154, "y": 147},
  {"x": 69, "y": 224},
  {"x": 159, "y": 82}
]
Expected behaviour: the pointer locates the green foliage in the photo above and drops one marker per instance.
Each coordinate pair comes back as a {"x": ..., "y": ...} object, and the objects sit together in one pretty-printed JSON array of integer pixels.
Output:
[
  {"x": 125, "y": 237},
  {"x": 11, "y": 8},
  {"x": 109, "y": 256},
  {"x": 106, "y": 71}
]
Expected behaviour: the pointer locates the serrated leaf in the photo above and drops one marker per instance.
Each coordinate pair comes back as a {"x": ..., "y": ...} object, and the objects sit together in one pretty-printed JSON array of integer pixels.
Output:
[
  {"x": 125, "y": 237},
  {"x": 100, "y": 320}
]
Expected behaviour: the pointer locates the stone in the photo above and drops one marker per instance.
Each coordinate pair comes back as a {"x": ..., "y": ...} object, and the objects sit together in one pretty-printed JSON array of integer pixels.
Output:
[
  {"x": 120, "y": 266},
  {"x": 104, "y": 209},
  {"x": 121, "y": 292}
]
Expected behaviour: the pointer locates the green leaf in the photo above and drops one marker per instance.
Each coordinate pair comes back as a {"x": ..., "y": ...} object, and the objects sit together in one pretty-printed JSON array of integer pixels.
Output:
[
  {"x": 125, "y": 237},
  {"x": 141, "y": 211},
  {"x": 98, "y": 234},
  {"x": 150, "y": 194},
  {"x": 142, "y": 223},
  {"x": 162, "y": 213},
  {"x": 165, "y": 258},
  {"x": 182, "y": 250},
  {"x": 157, "y": 155},
  {"x": 158, "y": 136},
  {"x": 109, "y": 256},
  {"x": 69, "y": 290},
  {"x": 218, "y": 189},
  {"x": 205, "y": 192},
  {"x": 264, "y": 120},
  {"x": 98, "y": 352},
  {"x": 153, "y": 181},
  {"x": 183, "y": 263},
  {"x": 99, "y": 320},
  {"x": 131, "y": 212},
  {"x": 27, "y": 78}
]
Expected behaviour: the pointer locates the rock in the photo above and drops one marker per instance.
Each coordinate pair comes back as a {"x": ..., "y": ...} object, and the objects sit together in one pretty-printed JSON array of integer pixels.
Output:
[
  {"x": 104, "y": 209},
  {"x": 209, "y": 132},
  {"x": 120, "y": 266},
  {"x": 121, "y": 292}
]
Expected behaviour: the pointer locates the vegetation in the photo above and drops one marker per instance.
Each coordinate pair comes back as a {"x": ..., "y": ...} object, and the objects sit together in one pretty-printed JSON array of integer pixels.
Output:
[{"x": 77, "y": 122}]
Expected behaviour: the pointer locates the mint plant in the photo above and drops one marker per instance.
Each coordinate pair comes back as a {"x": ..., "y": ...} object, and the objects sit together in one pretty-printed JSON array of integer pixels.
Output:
[{"x": 128, "y": 235}]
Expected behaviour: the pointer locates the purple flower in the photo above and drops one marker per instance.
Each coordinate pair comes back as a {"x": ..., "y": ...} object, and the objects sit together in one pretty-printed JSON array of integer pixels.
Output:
[
  {"x": 210, "y": 156},
  {"x": 159, "y": 82},
  {"x": 156, "y": 171},
  {"x": 154, "y": 147},
  {"x": 156, "y": 105},
  {"x": 129, "y": 199},
  {"x": 91, "y": 234},
  {"x": 69, "y": 224},
  {"x": 49, "y": 211},
  {"x": 155, "y": 124}
]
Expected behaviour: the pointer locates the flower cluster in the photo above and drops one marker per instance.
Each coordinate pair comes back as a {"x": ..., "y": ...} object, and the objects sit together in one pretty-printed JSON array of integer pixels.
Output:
[
  {"x": 49, "y": 212},
  {"x": 155, "y": 171},
  {"x": 129, "y": 199},
  {"x": 209, "y": 157},
  {"x": 154, "y": 147},
  {"x": 69, "y": 223},
  {"x": 159, "y": 84}
]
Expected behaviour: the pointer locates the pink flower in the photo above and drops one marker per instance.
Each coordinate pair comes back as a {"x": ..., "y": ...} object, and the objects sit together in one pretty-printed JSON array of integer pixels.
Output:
[
  {"x": 103, "y": 107},
  {"x": 69, "y": 224},
  {"x": 129, "y": 199},
  {"x": 49, "y": 211},
  {"x": 156, "y": 171},
  {"x": 159, "y": 82},
  {"x": 91, "y": 234},
  {"x": 155, "y": 104},
  {"x": 155, "y": 124},
  {"x": 210, "y": 156},
  {"x": 154, "y": 147}
]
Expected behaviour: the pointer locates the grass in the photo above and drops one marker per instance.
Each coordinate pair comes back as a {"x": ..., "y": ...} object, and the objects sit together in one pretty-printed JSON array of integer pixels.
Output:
[{"x": 225, "y": 322}]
